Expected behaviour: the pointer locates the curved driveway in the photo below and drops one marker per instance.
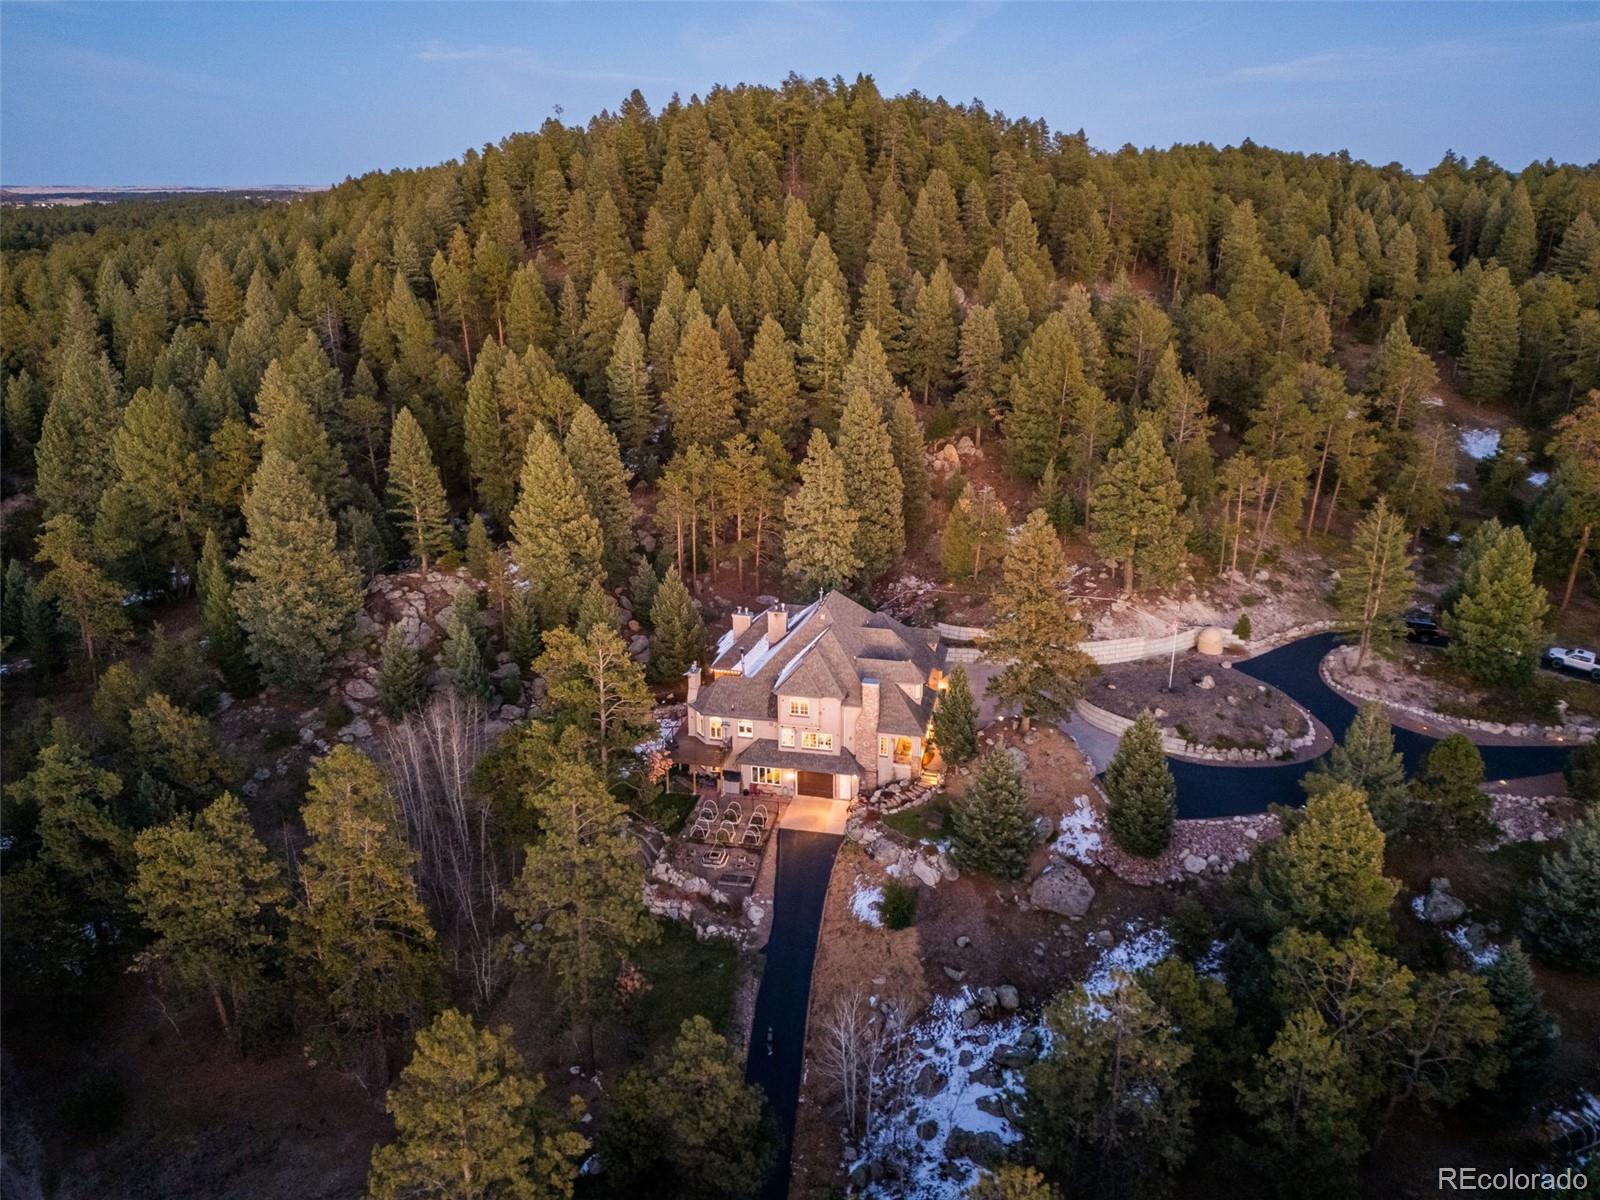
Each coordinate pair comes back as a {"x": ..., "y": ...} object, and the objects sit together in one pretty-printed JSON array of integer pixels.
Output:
[{"x": 1210, "y": 790}]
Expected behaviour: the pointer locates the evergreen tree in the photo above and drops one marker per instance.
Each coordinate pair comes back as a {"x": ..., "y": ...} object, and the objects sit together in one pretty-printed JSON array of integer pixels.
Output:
[
  {"x": 1558, "y": 914},
  {"x": 556, "y": 542},
  {"x": 225, "y": 642},
  {"x": 770, "y": 385},
  {"x": 463, "y": 648},
  {"x": 1143, "y": 798},
  {"x": 402, "y": 683},
  {"x": 298, "y": 592},
  {"x": 872, "y": 484},
  {"x": 642, "y": 587},
  {"x": 487, "y": 440},
  {"x": 175, "y": 747},
  {"x": 579, "y": 898},
  {"x": 369, "y": 963},
  {"x": 1497, "y": 625},
  {"x": 73, "y": 457},
  {"x": 596, "y": 462},
  {"x": 980, "y": 365},
  {"x": 1448, "y": 803},
  {"x": 1583, "y": 774},
  {"x": 523, "y": 637},
  {"x": 78, "y": 587},
  {"x": 1047, "y": 386},
  {"x": 482, "y": 558},
  {"x": 680, "y": 632},
  {"x": 1137, "y": 509},
  {"x": 1307, "y": 1113},
  {"x": 633, "y": 409},
  {"x": 821, "y": 539},
  {"x": 1368, "y": 761},
  {"x": 158, "y": 460},
  {"x": 416, "y": 497},
  {"x": 594, "y": 687},
  {"x": 1326, "y": 874},
  {"x": 596, "y": 609},
  {"x": 955, "y": 720},
  {"x": 1402, "y": 376},
  {"x": 686, "y": 1123},
  {"x": 210, "y": 894},
  {"x": 824, "y": 349},
  {"x": 910, "y": 458},
  {"x": 1375, "y": 582},
  {"x": 1528, "y": 1034},
  {"x": 1107, "y": 1111},
  {"x": 702, "y": 402},
  {"x": 931, "y": 337},
  {"x": 1036, "y": 629},
  {"x": 1492, "y": 336},
  {"x": 993, "y": 826},
  {"x": 471, "y": 1123}
]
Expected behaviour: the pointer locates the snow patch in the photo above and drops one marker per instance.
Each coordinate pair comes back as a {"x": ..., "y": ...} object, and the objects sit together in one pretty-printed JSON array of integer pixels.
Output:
[
  {"x": 1080, "y": 833},
  {"x": 1460, "y": 485},
  {"x": 1140, "y": 949},
  {"x": 668, "y": 727},
  {"x": 1481, "y": 957},
  {"x": 864, "y": 902},
  {"x": 1539, "y": 479},
  {"x": 1480, "y": 444}
]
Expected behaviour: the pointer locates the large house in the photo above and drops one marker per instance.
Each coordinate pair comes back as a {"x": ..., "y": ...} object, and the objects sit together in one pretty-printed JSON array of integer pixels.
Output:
[{"x": 827, "y": 701}]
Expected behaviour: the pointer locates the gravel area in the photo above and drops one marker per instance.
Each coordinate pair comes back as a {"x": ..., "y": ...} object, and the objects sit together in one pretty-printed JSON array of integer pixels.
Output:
[{"x": 1208, "y": 703}]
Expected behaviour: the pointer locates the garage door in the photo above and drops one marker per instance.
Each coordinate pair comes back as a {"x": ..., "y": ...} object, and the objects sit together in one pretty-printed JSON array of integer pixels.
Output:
[{"x": 815, "y": 783}]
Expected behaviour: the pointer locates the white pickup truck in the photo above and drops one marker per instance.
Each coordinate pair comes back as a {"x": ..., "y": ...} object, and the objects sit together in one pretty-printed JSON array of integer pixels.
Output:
[{"x": 1581, "y": 661}]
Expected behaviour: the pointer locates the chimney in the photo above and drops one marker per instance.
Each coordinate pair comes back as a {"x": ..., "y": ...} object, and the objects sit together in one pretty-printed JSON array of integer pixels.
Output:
[
  {"x": 741, "y": 621},
  {"x": 777, "y": 624},
  {"x": 866, "y": 739},
  {"x": 693, "y": 675}
]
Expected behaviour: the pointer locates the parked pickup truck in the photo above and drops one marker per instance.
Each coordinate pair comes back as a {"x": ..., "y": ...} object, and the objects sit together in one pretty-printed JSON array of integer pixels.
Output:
[
  {"x": 1422, "y": 625},
  {"x": 1581, "y": 661}
]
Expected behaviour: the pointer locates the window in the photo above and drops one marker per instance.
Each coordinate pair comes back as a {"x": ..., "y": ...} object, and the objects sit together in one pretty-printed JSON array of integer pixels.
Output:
[
  {"x": 747, "y": 729},
  {"x": 883, "y": 746},
  {"x": 812, "y": 740},
  {"x": 714, "y": 728},
  {"x": 799, "y": 708},
  {"x": 786, "y": 737},
  {"x": 765, "y": 775}
]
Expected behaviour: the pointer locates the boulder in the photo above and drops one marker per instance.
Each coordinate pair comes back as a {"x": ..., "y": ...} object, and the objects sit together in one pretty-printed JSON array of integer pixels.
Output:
[
  {"x": 1193, "y": 864},
  {"x": 1061, "y": 889},
  {"x": 1440, "y": 907},
  {"x": 360, "y": 689},
  {"x": 930, "y": 1081},
  {"x": 988, "y": 1075},
  {"x": 979, "y": 1147},
  {"x": 1206, "y": 683},
  {"x": 1007, "y": 997},
  {"x": 970, "y": 1017},
  {"x": 926, "y": 871}
]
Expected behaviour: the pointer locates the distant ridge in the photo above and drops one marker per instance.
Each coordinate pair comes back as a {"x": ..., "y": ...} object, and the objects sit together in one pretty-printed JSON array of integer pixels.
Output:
[{"x": 66, "y": 194}]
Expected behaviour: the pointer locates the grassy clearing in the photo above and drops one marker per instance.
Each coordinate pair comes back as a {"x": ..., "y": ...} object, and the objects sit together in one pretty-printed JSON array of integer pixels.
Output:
[
  {"x": 923, "y": 823},
  {"x": 687, "y": 978}
]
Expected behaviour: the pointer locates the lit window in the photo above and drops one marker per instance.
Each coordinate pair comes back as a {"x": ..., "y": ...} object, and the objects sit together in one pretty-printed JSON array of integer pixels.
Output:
[
  {"x": 714, "y": 728},
  {"x": 786, "y": 737},
  {"x": 747, "y": 729},
  {"x": 765, "y": 775},
  {"x": 799, "y": 708},
  {"x": 813, "y": 740},
  {"x": 883, "y": 747}
]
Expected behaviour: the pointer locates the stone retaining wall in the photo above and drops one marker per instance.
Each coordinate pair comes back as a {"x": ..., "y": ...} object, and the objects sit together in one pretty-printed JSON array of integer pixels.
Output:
[{"x": 1109, "y": 722}]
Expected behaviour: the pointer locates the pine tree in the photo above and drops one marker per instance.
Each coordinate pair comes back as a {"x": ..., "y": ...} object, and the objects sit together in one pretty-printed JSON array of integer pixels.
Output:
[
  {"x": 594, "y": 687},
  {"x": 911, "y": 458},
  {"x": 824, "y": 350},
  {"x": 1368, "y": 761},
  {"x": 868, "y": 369},
  {"x": 1449, "y": 806},
  {"x": 1307, "y": 1113},
  {"x": 1036, "y": 630},
  {"x": 1142, "y": 794},
  {"x": 225, "y": 641},
  {"x": 1375, "y": 582},
  {"x": 1136, "y": 509},
  {"x": 993, "y": 826},
  {"x": 209, "y": 893},
  {"x": 597, "y": 609},
  {"x": 78, "y": 587},
  {"x": 702, "y": 402},
  {"x": 1558, "y": 914},
  {"x": 524, "y": 639},
  {"x": 979, "y": 364},
  {"x": 633, "y": 409},
  {"x": 485, "y": 436},
  {"x": 298, "y": 592},
  {"x": 369, "y": 963},
  {"x": 1528, "y": 1034},
  {"x": 1402, "y": 376},
  {"x": 402, "y": 683},
  {"x": 1180, "y": 406},
  {"x": 872, "y": 484},
  {"x": 481, "y": 555},
  {"x": 1492, "y": 336},
  {"x": 955, "y": 720},
  {"x": 1326, "y": 874},
  {"x": 472, "y": 1123},
  {"x": 416, "y": 497},
  {"x": 158, "y": 459},
  {"x": 642, "y": 587},
  {"x": 556, "y": 543},
  {"x": 931, "y": 337},
  {"x": 770, "y": 385},
  {"x": 73, "y": 457},
  {"x": 463, "y": 648},
  {"x": 174, "y": 747},
  {"x": 680, "y": 632},
  {"x": 1012, "y": 1182},
  {"x": 579, "y": 898},
  {"x": 686, "y": 1123},
  {"x": 821, "y": 538},
  {"x": 1497, "y": 625},
  {"x": 1045, "y": 389},
  {"x": 596, "y": 462}
]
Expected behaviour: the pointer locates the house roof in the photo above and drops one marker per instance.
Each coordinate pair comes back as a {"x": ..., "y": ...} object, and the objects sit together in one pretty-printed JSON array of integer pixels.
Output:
[
  {"x": 825, "y": 652},
  {"x": 767, "y": 753},
  {"x": 900, "y": 715}
]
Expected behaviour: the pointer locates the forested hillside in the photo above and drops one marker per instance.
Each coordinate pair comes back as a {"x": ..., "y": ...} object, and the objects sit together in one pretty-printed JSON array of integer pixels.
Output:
[{"x": 659, "y": 360}]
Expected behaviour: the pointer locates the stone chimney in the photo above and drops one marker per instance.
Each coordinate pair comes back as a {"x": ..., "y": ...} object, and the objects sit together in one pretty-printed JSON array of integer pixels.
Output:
[
  {"x": 777, "y": 624},
  {"x": 741, "y": 621},
  {"x": 866, "y": 739},
  {"x": 693, "y": 676}
]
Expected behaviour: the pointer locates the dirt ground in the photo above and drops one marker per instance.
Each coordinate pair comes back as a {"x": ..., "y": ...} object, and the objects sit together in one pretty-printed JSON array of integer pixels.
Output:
[{"x": 1234, "y": 710}]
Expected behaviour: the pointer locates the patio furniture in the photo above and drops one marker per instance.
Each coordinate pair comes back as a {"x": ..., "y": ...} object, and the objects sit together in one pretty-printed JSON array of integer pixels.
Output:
[
  {"x": 752, "y": 837},
  {"x": 726, "y": 833},
  {"x": 701, "y": 831},
  {"x": 713, "y": 858},
  {"x": 733, "y": 812},
  {"x": 759, "y": 817}
]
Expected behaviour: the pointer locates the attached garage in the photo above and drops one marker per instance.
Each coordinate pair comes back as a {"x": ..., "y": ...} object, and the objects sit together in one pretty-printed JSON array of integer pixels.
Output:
[{"x": 814, "y": 783}]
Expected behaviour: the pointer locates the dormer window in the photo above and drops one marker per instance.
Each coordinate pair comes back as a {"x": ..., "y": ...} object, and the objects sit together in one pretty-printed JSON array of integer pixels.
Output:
[
  {"x": 799, "y": 708},
  {"x": 747, "y": 729}
]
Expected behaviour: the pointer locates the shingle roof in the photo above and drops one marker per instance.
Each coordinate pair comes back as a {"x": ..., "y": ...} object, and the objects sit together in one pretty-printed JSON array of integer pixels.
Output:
[{"x": 767, "y": 753}]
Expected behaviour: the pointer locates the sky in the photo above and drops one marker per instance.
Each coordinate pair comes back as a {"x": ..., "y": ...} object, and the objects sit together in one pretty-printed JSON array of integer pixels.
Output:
[{"x": 236, "y": 94}]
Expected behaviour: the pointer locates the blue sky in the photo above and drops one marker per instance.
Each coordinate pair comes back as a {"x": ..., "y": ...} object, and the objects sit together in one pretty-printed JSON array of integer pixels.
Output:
[{"x": 233, "y": 94}]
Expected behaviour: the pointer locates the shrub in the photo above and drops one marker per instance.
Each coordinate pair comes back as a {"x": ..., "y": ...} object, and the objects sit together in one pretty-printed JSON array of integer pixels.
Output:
[
  {"x": 1583, "y": 773},
  {"x": 898, "y": 906},
  {"x": 1241, "y": 627}
]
